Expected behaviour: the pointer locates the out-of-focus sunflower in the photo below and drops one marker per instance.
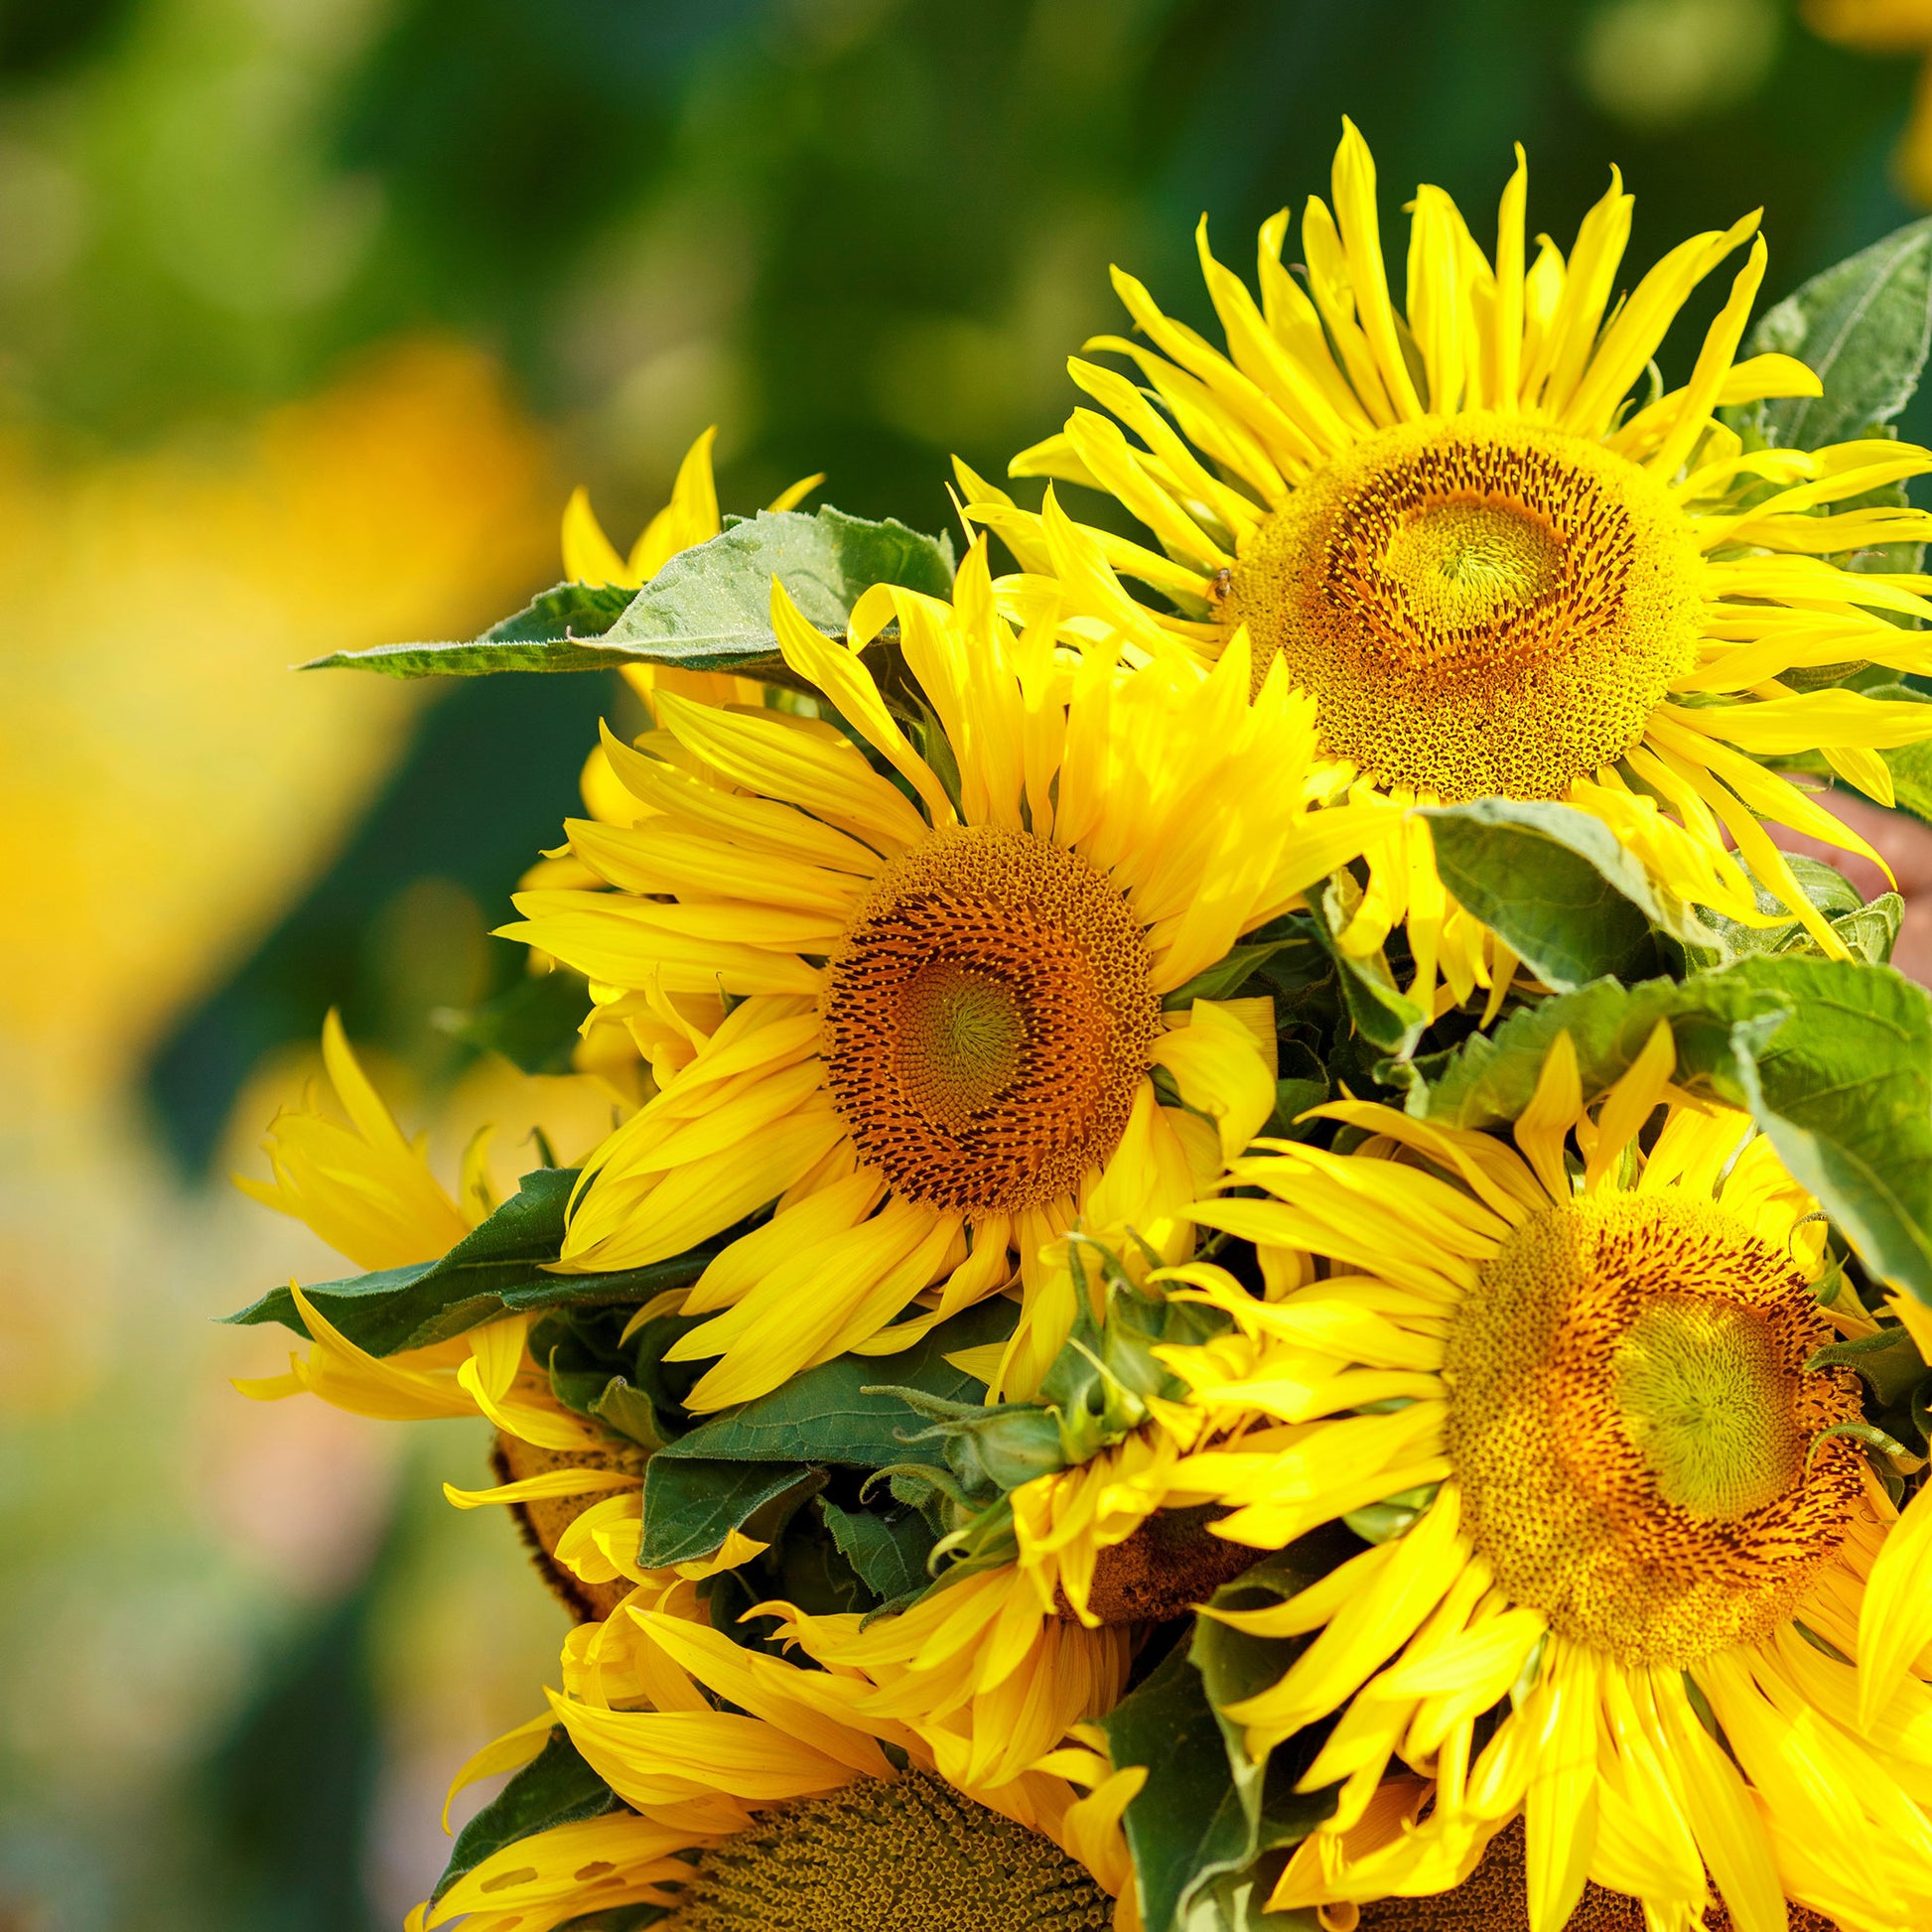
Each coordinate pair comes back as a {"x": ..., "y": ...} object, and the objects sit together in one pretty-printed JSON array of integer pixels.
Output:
[
  {"x": 927, "y": 1013},
  {"x": 1889, "y": 27},
  {"x": 761, "y": 1797},
  {"x": 1640, "y": 1518},
  {"x": 1494, "y": 574}
]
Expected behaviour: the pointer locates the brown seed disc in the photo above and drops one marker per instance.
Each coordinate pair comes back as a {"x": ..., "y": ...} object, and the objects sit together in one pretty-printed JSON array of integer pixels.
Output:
[
  {"x": 988, "y": 1019},
  {"x": 1634, "y": 1430},
  {"x": 1477, "y": 605}
]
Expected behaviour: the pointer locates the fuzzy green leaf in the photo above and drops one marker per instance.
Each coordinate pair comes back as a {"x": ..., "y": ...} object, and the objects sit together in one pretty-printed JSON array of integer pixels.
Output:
[
  {"x": 826, "y": 1416},
  {"x": 556, "y": 631},
  {"x": 889, "y": 1550},
  {"x": 495, "y": 1269},
  {"x": 708, "y": 610},
  {"x": 1558, "y": 887},
  {"x": 557, "y": 1787},
  {"x": 1382, "y": 1012},
  {"x": 1864, "y": 325}
]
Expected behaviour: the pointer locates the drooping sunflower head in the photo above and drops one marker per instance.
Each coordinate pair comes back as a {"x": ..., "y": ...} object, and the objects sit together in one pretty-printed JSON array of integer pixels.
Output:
[
  {"x": 1628, "y": 1541},
  {"x": 1495, "y": 565}
]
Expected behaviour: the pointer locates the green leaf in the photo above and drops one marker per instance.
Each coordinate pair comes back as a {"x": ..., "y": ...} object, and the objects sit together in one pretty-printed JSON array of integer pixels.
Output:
[
  {"x": 1558, "y": 887},
  {"x": 552, "y": 633},
  {"x": 1831, "y": 1060},
  {"x": 1863, "y": 324},
  {"x": 708, "y": 610},
  {"x": 1222, "y": 980},
  {"x": 495, "y": 1269},
  {"x": 533, "y": 1023},
  {"x": 1186, "y": 1822},
  {"x": 1208, "y": 1810},
  {"x": 557, "y": 1787},
  {"x": 889, "y": 1551},
  {"x": 628, "y": 1412},
  {"x": 691, "y": 1507},
  {"x": 828, "y": 1416},
  {"x": 1844, "y": 1092},
  {"x": 1868, "y": 930}
]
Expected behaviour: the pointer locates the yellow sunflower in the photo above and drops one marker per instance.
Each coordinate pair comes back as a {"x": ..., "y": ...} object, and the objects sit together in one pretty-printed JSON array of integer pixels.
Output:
[
  {"x": 1059, "y": 1578},
  {"x": 927, "y": 1007},
  {"x": 760, "y": 1797},
  {"x": 369, "y": 1190},
  {"x": 1492, "y": 571},
  {"x": 1649, "y": 1598}
]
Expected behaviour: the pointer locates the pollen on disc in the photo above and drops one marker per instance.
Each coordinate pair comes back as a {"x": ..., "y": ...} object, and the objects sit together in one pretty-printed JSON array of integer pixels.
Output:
[
  {"x": 987, "y": 1021},
  {"x": 1477, "y": 605}
]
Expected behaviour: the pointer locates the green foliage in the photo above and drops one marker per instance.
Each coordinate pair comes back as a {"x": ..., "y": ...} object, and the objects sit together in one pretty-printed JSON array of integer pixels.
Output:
[
  {"x": 1833, "y": 1061},
  {"x": 495, "y": 1269},
  {"x": 889, "y": 1551},
  {"x": 557, "y": 1787},
  {"x": 532, "y": 1023},
  {"x": 780, "y": 1448},
  {"x": 1864, "y": 326},
  {"x": 691, "y": 1507},
  {"x": 1208, "y": 1810},
  {"x": 1379, "y": 1010},
  {"x": 1868, "y": 930},
  {"x": 1559, "y": 888},
  {"x": 552, "y": 633},
  {"x": 708, "y": 610}
]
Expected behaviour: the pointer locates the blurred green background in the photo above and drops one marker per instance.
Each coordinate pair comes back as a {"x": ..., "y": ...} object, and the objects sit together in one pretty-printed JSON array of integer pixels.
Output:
[{"x": 311, "y": 312}]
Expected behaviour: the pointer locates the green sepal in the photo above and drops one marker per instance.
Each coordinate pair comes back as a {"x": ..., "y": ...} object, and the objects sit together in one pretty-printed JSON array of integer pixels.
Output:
[
  {"x": 709, "y": 609},
  {"x": 1558, "y": 887},
  {"x": 1863, "y": 324},
  {"x": 495, "y": 1269},
  {"x": 557, "y": 1787},
  {"x": 533, "y": 1023},
  {"x": 1831, "y": 1060},
  {"x": 1888, "y": 1359}
]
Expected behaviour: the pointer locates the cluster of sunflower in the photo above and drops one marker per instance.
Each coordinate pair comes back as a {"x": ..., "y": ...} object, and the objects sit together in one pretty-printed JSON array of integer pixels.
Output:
[{"x": 1261, "y": 1262}]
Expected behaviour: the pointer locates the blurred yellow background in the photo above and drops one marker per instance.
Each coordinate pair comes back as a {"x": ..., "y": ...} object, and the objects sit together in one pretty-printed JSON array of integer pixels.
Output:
[{"x": 310, "y": 313}]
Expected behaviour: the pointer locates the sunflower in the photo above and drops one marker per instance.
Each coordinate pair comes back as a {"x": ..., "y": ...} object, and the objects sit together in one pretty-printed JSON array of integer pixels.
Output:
[
  {"x": 927, "y": 1008},
  {"x": 1052, "y": 1586},
  {"x": 1649, "y": 1597},
  {"x": 1494, "y": 574},
  {"x": 758, "y": 1795},
  {"x": 369, "y": 1190}
]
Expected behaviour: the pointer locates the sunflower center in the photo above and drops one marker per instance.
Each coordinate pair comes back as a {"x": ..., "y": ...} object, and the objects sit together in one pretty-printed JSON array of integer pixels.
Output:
[
  {"x": 1478, "y": 603},
  {"x": 987, "y": 1021},
  {"x": 1707, "y": 1402},
  {"x": 1462, "y": 566},
  {"x": 1494, "y": 1897},
  {"x": 902, "y": 1855},
  {"x": 1631, "y": 1419},
  {"x": 963, "y": 1040}
]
